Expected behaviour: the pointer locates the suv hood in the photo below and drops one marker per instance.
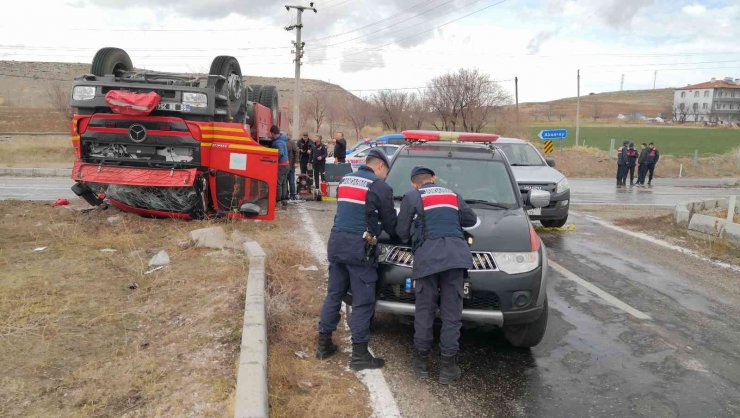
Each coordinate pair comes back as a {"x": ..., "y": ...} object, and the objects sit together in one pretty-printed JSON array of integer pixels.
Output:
[
  {"x": 497, "y": 230},
  {"x": 536, "y": 174}
]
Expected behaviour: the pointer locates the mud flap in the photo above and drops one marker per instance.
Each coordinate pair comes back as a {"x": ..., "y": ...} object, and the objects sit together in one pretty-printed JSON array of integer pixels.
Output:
[{"x": 84, "y": 191}]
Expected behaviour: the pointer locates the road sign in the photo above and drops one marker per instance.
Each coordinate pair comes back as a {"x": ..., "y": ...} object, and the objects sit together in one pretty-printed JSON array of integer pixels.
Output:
[
  {"x": 549, "y": 147},
  {"x": 553, "y": 134}
]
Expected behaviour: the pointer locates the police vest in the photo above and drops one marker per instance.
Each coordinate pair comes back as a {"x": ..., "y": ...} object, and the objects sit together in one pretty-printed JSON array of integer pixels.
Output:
[
  {"x": 440, "y": 216},
  {"x": 352, "y": 215}
]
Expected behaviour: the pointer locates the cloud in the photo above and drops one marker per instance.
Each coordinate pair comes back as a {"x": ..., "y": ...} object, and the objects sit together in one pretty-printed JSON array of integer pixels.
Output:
[
  {"x": 535, "y": 43},
  {"x": 694, "y": 9},
  {"x": 352, "y": 62},
  {"x": 616, "y": 13}
]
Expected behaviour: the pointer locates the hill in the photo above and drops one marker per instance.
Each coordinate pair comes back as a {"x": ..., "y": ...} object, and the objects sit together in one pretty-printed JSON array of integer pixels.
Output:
[
  {"x": 28, "y": 88},
  {"x": 603, "y": 106}
]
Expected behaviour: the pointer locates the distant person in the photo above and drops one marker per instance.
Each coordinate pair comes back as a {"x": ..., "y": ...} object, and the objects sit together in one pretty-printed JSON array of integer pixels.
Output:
[
  {"x": 279, "y": 141},
  {"x": 292, "y": 159},
  {"x": 340, "y": 148},
  {"x": 642, "y": 164},
  {"x": 622, "y": 164},
  {"x": 652, "y": 160},
  {"x": 632, "y": 156},
  {"x": 305, "y": 147},
  {"x": 319, "y": 163}
]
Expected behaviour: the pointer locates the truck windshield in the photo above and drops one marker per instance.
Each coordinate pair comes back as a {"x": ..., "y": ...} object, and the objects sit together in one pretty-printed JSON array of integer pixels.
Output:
[
  {"x": 521, "y": 154},
  {"x": 482, "y": 180}
]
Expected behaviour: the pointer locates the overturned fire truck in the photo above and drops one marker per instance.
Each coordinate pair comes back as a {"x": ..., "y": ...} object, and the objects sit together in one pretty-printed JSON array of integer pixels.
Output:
[{"x": 174, "y": 145}]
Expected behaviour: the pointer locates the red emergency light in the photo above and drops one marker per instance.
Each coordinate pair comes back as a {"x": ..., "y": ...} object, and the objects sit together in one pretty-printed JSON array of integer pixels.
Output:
[{"x": 417, "y": 135}]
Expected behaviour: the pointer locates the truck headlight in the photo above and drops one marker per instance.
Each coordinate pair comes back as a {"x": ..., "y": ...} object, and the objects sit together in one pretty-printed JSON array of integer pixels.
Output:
[
  {"x": 562, "y": 186},
  {"x": 515, "y": 263},
  {"x": 195, "y": 99},
  {"x": 385, "y": 249},
  {"x": 83, "y": 93}
]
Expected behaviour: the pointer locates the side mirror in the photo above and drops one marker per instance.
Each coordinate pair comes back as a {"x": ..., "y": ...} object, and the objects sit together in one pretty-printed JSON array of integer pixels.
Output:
[
  {"x": 550, "y": 162},
  {"x": 249, "y": 210},
  {"x": 539, "y": 198}
]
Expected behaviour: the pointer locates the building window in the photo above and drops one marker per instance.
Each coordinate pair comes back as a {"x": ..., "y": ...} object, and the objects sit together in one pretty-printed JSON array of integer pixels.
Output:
[
  {"x": 696, "y": 94},
  {"x": 683, "y": 94},
  {"x": 704, "y": 106}
]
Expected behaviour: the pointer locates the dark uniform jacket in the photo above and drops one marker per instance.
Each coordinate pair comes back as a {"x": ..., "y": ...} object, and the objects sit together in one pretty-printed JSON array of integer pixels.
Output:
[
  {"x": 632, "y": 155},
  {"x": 340, "y": 149},
  {"x": 318, "y": 151},
  {"x": 432, "y": 218},
  {"x": 652, "y": 156},
  {"x": 304, "y": 149},
  {"x": 642, "y": 159},
  {"x": 364, "y": 203},
  {"x": 622, "y": 155}
]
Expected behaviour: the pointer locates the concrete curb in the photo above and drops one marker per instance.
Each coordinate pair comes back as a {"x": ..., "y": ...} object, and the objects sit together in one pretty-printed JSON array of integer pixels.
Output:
[
  {"x": 685, "y": 215},
  {"x": 35, "y": 172},
  {"x": 251, "y": 383}
]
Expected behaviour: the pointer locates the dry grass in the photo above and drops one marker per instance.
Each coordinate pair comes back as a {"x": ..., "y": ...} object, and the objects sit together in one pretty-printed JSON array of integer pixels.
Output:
[
  {"x": 36, "y": 151},
  {"x": 87, "y": 333},
  {"x": 20, "y": 119},
  {"x": 302, "y": 387}
]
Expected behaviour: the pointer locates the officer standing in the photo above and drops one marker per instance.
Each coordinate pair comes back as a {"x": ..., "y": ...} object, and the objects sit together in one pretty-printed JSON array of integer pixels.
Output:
[
  {"x": 433, "y": 218},
  {"x": 632, "y": 155},
  {"x": 304, "y": 151},
  {"x": 319, "y": 153},
  {"x": 642, "y": 164},
  {"x": 622, "y": 164},
  {"x": 652, "y": 159},
  {"x": 364, "y": 210}
]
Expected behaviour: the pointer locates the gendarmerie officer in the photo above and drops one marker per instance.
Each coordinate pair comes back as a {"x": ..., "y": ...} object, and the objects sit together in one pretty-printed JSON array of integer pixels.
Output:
[
  {"x": 433, "y": 218},
  {"x": 364, "y": 209},
  {"x": 632, "y": 155},
  {"x": 622, "y": 164}
]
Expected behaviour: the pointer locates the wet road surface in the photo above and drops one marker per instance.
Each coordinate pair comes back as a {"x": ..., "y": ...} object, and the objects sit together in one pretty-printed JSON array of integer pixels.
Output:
[{"x": 596, "y": 359}]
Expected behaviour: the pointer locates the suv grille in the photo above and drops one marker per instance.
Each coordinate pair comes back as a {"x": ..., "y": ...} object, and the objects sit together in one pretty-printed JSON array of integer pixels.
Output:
[
  {"x": 478, "y": 299},
  {"x": 402, "y": 256}
]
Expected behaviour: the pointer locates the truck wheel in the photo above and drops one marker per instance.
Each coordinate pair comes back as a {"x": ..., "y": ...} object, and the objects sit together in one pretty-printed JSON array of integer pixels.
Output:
[
  {"x": 269, "y": 98},
  {"x": 554, "y": 223},
  {"x": 527, "y": 335},
  {"x": 254, "y": 95},
  {"x": 228, "y": 67},
  {"x": 111, "y": 61}
]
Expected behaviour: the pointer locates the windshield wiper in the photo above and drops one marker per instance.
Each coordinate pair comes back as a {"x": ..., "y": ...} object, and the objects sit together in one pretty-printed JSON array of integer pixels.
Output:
[
  {"x": 524, "y": 165},
  {"x": 487, "y": 203}
]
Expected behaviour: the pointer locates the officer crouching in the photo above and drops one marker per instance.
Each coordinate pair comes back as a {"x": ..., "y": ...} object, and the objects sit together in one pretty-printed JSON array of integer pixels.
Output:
[
  {"x": 364, "y": 210},
  {"x": 433, "y": 218}
]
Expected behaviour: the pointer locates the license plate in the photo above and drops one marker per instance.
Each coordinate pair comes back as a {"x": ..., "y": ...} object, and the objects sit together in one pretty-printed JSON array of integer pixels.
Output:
[
  {"x": 534, "y": 211},
  {"x": 466, "y": 290}
]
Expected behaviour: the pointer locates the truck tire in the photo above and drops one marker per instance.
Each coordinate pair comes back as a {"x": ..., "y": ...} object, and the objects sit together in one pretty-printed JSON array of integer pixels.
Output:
[
  {"x": 228, "y": 67},
  {"x": 111, "y": 61},
  {"x": 527, "y": 335},
  {"x": 269, "y": 98},
  {"x": 254, "y": 95},
  {"x": 554, "y": 223}
]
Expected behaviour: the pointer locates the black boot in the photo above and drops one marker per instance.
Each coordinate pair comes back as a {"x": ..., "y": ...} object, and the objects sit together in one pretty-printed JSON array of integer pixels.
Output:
[
  {"x": 449, "y": 371},
  {"x": 325, "y": 347},
  {"x": 362, "y": 359},
  {"x": 421, "y": 364}
]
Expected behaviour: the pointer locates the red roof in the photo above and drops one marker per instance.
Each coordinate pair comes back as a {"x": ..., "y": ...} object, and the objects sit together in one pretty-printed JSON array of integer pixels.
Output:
[{"x": 722, "y": 84}]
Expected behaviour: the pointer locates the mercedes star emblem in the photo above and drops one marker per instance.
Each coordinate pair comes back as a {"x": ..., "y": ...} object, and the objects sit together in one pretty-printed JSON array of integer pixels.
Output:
[{"x": 137, "y": 132}]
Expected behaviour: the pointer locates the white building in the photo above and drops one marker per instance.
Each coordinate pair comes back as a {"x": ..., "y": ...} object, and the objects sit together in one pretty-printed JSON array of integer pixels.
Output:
[{"x": 714, "y": 101}]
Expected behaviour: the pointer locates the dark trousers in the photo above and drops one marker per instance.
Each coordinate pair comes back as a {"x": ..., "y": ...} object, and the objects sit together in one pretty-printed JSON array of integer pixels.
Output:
[
  {"x": 650, "y": 170},
  {"x": 641, "y": 171},
  {"x": 304, "y": 165},
  {"x": 319, "y": 173},
  {"x": 444, "y": 292},
  {"x": 361, "y": 280},
  {"x": 282, "y": 182},
  {"x": 631, "y": 171},
  {"x": 291, "y": 181},
  {"x": 341, "y": 160},
  {"x": 621, "y": 172}
]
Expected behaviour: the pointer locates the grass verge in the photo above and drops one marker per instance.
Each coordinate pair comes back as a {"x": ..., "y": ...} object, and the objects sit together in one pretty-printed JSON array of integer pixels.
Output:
[{"x": 36, "y": 151}]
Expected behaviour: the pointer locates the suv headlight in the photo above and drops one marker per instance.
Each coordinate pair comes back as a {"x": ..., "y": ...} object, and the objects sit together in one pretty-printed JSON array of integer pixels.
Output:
[
  {"x": 195, "y": 99},
  {"x": 83, "y": 93},
  {"x": 515, "y": 263},
  {"x": 562, "y": 186},
  {"x": 385, "y": 249}
]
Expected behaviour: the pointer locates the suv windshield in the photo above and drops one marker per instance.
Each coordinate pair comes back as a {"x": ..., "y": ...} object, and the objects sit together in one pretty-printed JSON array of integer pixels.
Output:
[
  {"x": 482, "y": 180},
  {"x": 521, "y": 154}
]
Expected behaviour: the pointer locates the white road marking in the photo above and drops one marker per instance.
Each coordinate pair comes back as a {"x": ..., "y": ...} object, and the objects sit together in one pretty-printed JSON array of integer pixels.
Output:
[
  {"x": 656, "y": 241},
  {"x": 598, "y": 292},
  {"x": 381, "y": 397}
]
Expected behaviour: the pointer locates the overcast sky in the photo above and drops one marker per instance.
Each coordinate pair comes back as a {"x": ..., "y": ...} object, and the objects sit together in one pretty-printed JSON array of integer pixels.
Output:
[{"x": 364, "y": 45}]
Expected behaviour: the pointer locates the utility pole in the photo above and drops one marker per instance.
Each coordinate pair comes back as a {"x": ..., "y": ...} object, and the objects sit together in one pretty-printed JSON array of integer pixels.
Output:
[
  {"x": 621, "y": 85},
  {"x": 299, "y": 45},
  {"x": 655, "y": 78},
  {"x": 516, "y": 95},
  {"x": 578, "y": 109}
]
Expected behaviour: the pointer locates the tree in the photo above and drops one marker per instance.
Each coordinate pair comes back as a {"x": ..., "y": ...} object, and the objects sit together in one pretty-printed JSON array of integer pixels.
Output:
[
  {"x": 316, "y": 108},
  {"x": 358, "y": 112},
  {"x": 464, "y": 98},
  {"x": 596, "y": 114},
  {"x": 58, "y": 95},
  {"x": 392, "y": 107}
]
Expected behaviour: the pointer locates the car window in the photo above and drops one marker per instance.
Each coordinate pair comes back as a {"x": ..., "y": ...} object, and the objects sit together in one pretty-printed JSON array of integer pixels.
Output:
[
  {"x": 389, "y": 151},
  {"x": 521, "y": 154},
  {"x": 473, "y": 179}
]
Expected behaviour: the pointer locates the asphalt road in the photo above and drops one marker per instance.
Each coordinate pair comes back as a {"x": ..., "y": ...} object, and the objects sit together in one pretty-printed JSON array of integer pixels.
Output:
[
  {"x": 665, "y": 192},
  {"x": 673, "y": 349}
]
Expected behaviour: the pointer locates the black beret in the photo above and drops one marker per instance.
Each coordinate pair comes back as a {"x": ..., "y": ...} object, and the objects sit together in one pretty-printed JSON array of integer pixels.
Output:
[
  {"x": 376, "y": 153},
  {"x": 421, "y": 170}
]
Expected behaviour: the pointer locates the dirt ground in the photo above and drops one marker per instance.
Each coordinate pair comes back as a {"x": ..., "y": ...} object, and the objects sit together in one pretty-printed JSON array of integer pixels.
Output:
[
  {"x": 84, "y": 331},
  {"x": 36, "y": 151}
]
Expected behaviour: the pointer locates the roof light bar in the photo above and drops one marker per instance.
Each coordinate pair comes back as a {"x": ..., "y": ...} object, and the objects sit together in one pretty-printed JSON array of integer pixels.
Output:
[{"x": 417, "y": 135}]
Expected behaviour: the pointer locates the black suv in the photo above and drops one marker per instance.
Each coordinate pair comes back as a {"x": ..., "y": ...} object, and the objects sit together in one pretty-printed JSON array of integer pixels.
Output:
[{"x": 506, "y": 288}]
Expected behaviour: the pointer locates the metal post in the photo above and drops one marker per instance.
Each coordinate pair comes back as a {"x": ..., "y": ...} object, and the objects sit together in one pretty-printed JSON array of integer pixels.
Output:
[
  {"x": 516, "y": 96},
  {"x": 731, "y": 209},
  {"x": 621, "y": 84},
  {"x": 655, "y": 78},
  {"x": 611, "y": 148},
  {"x": 578, "y": 109},
  {"x": 696, "y": 158},
  {"x": 298, "y": 56}
]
